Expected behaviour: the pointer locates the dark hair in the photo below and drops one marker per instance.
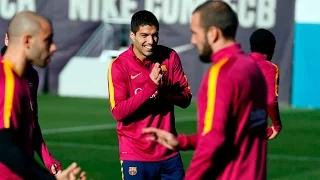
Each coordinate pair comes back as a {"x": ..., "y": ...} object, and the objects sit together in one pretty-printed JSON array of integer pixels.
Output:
[
  {"x": 220, "y": 15},
  {"x": 142, "y": 18},
  {"x": 262, "y": 41}
]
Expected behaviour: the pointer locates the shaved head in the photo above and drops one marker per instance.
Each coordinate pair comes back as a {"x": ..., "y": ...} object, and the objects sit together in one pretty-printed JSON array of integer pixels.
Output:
[
  {"x": 31, "y": 37},
  {"x": 220, "y": 15},
  {"x": 23, "y": 23}
]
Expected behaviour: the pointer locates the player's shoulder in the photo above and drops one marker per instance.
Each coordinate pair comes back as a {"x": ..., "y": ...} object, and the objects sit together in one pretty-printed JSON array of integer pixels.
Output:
[
  {"x": 6, "y": 73},
  {"x": 223, "y": 67},
  {"x": 118, "y": 65},
  {"x": 124, "y": 58},
  {"x": 5, "y": 66},
  {"x": 240, "y": 65},
  {"x": 268, "y": 67},
  {"x": 239, "y": 62},
  {"x": 116, "y": 62},
  {"x": 164, "y": 51},
  {"x": 2, "y": 74},
  {"x": 167, "y": 54},
  {"x": 274, "y": 66}
]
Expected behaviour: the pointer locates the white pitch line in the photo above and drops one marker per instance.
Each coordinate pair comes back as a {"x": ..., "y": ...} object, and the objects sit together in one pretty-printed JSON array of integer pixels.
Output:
[
  {"x": 294, "y": 158},
  {"x": 115, "y": 148},
  {"x": 102, "y": 126},
  {"x": 83, "y": 146},
  {"x": 113, "y": 125}
]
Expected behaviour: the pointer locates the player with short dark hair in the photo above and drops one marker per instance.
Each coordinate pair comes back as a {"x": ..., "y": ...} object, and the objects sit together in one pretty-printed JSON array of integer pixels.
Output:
[
  {"x": 231, "y": 103},
  {"x": 145, "y": 83},
  {"x": 142, "y": 18},
  {"x": 262, "y": 44},
  {"x": 31, "y": 42}
]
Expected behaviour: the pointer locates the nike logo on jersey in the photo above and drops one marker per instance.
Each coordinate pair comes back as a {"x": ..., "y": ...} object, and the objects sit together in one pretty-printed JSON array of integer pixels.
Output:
[{"x": 133, "y": 77}]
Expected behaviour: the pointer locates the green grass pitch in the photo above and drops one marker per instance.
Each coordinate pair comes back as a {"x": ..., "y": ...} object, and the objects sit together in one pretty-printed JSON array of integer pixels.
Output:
[{"x": 82, "y": 130}]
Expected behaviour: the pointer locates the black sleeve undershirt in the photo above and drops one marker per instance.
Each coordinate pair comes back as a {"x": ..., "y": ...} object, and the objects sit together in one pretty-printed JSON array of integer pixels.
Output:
[{"x": 11, "y": 156}]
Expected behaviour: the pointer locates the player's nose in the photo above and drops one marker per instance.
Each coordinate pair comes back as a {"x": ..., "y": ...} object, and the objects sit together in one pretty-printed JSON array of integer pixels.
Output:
[
  {"x": 193, "y": 40},
  {"x": 150, "y": 40},
  {"x": 53, "y": 48}
]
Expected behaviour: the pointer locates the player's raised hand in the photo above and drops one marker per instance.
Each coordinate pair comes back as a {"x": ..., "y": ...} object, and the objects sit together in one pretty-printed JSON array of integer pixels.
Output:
[
  {"x": 155, "y": 74},
  {"x": 71, "y": 173},
  {"x": 164, "y": 138}
]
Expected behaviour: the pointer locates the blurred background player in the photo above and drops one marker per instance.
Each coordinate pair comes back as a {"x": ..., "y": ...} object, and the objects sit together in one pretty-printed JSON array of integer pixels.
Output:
[
  {"x": 145, "y": 82},
  {"x": 262, "y": 44},
  {"x": 31, "y": 75},
  {"x": 231, "y": 104},
  {"x": 31, "y": 42}
]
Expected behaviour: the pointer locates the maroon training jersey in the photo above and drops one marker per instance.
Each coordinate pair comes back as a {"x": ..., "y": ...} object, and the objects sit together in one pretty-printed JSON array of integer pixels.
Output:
[
  {"x": 232, "y": 120},
  {"x": 136, "y": 102},
  {"x": 271, "y": 75},
  {"x": 15, "y": 109}
]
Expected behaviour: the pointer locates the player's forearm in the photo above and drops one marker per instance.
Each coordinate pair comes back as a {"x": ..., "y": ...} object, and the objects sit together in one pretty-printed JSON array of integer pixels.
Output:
[
  {"x": 13, "y": 158},
  {"x": 48, "y": 159},
  {"x": 274, "y": 114},
  {"x": 43, "y": 151},
  {"x": 125, "y": 108},
  {"x": 182, "y": 101},
  {"x": 37, "y": 139},
  {"x": 209, "y": 153},
  {"x": 187, "y": 142}
]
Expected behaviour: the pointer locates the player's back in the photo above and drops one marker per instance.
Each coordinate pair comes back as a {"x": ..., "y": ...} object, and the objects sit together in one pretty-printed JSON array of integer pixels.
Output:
[
  {"x": 248, "y": 120},
  {"x": 270, "y": 72}
]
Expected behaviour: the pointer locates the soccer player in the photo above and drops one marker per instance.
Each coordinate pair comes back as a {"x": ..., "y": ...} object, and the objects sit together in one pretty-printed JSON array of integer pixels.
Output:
[
  {"x": 30, "y": 43},
  {"x": 232, "y": 118},
  {"x": 38, "y": 143},
  {"x": 262, "y": 44},
  {"x": 145, "y": 82}
]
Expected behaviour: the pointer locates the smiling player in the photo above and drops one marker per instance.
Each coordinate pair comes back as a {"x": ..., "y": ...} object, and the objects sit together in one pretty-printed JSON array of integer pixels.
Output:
[{"x": 145, "y": 82}]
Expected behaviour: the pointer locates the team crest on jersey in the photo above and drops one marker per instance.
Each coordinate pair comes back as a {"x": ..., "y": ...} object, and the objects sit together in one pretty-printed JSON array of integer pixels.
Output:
[
  {"x": 164, "y": 68},
  {"x": 133, "y": 171}
]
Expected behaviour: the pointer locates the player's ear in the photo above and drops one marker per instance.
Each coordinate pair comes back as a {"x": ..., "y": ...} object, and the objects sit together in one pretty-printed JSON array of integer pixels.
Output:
[
  {"x": 6, "y": 40},
  {"x": 132, "y": 36},
  {"x": 212, "y": 34},
  {"x": 26, "y": 40}
]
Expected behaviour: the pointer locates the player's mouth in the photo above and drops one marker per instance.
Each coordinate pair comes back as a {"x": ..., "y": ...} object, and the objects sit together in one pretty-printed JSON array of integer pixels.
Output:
[{"x": 148, "y": 48}]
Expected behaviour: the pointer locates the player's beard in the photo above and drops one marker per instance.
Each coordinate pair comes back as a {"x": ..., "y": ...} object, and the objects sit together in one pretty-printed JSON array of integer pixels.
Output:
[{"x": 205, "y": 56}]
